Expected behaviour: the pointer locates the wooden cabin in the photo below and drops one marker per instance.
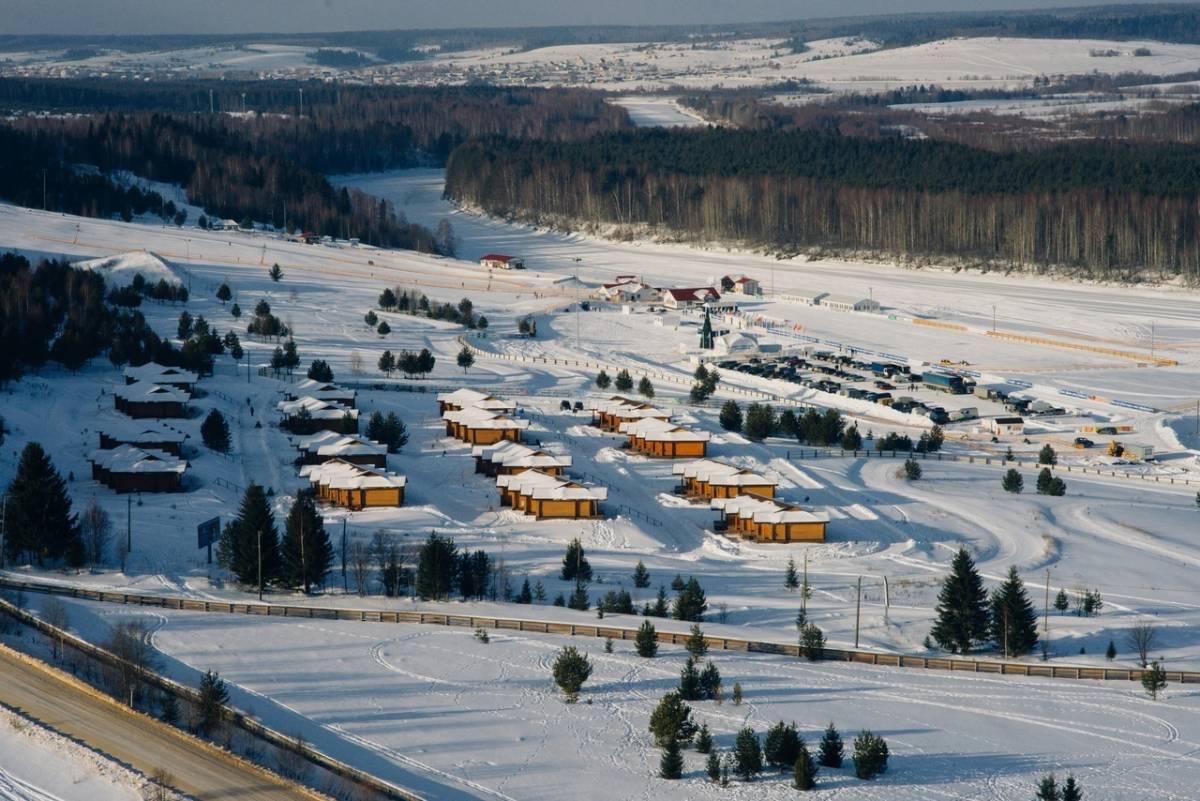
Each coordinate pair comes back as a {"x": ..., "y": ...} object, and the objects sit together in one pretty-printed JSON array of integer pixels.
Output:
[
  {"x": 142, "y": 400},
  {"x": 610, "y": 414},
  {"x": 307, "y": 415},
  {"x": 323, "y": 390},
  {"x": 709, "y": 478},
  {"x": 514, "y": 457},
  {"x": 355, "y": 486},
  {"x": 769, "y": 520},
  {"x": 466, "y": 398},
  {"x": 130, "y": 469},
  {"x": 327, "y": 445},
  {"x": 663, "y": 439},
  {"x": 545, "y": 496},
  {"x": 153, "y": 373},
  {"x": 149, "y": 436},
  {"x": 481, "y": 427}
]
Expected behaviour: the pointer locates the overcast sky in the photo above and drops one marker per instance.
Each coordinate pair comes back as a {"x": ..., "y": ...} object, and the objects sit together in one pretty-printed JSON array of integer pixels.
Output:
[{"x": 290, "y": 16}]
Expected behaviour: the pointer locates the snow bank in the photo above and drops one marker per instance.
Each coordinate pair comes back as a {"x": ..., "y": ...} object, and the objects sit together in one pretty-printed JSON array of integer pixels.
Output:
[{"x": 120, "y": 269}]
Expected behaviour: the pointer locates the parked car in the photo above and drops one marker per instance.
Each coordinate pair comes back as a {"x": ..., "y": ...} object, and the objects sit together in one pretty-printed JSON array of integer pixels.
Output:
[{"x": 1083, "y": 442}]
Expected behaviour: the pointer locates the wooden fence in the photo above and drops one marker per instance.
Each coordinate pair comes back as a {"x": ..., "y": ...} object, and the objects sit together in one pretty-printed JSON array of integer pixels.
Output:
[{"x": 998, "y": 667}]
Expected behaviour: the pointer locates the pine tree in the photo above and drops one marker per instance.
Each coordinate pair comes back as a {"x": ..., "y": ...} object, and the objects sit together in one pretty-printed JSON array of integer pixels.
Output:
[
  {"x": 319, "y": 370},
  {"x": 1048, "y": 789},
  {"x": 660, "y": 608},
  {"x": 525, "y": 596},
  {"x": 306, "y": 554},
  {"x": 689, "y": 681},
  {"x": 1014, "y": 621},
  {"x": 210, "y": 708},
  {"x": 641, "y": 576},
  {"x": 602, "y": 380},
  {"x": 214, "y": 431},
  {"x": 672, "y": 720},
  {"x": 791, "y": 579},
  {"x": 1012, "y": 481},
  {"x": 851, "y": 439},
  {"x": 645, "y": 388},
  {"x": 38, "y": 521},
  {"x": 1061, "y": 602},
  {"x": 624, "y": 381},
  {"x": 831, "y": 748},
  {"x": 240, "y": 542},
  {"x": 710, "y": 682},
  {"x": 912, "y": 469},
  {"x": 436, "y": 565},
  {"x": 804, "y": 772},
  {"x": 465, "y": 358},
  {"x": 671, "y": 764},
  {"x": 224, "y": 293},
  {"x": 1043, "y": 480},
  {"x": 575, "y": 565},
  {"x": 579, "y": 598},
  {"x": 812, "y": 642},
  {"x": 737, "y": 693},
  {"x": 646, "y": 641},
  {"x": 1047, "y": 456},
  {"x": 275, "y": 272},
  {"x": 1111, "y": 652},
  {"x": 383, "y": 329},
  {"x": 870, "y": 755},
  {"x": 712, "y": 766},
  {"x": 782, "y": 746},
  {"x": 704, "y": 740},
  {"x": 1071, "y": 791},
  {"x": 962, "y": 609},
  {"x": 747, "y": 754},
  {"x": 696, "y": 644},
  {"x": 731, "y": 416},
  {"x": 691, "y": 602},
  {"x": 1154, "y": 680},
  {"x": 759, "y": 423},
  {"x": 571, "y": 669}
]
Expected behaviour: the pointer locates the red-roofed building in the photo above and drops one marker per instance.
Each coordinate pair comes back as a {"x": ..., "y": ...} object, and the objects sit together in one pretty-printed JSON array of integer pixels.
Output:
[
  {"x": 498, "y": 261},
  {"x": 689, "y": 296}
]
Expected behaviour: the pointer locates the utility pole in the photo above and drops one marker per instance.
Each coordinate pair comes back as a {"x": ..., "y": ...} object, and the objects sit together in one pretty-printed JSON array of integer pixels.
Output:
[
  {"x": 3, "y": 530},
  {"x": 993, "y": 318},
  {"x": 43, "y": 189},
  {"x": 1006, "y": 632},
  {"x": 301, "y": 89},
  {"x": 303, "y": 564},
  {"x": 243, "y": 102},
  {"x": 1152, "y": 323},
  {"x": 1046, "y": 611},
  {"x": 129, "y": 524},
  {"x": 804, "y": 590},
  {"x": 260, "y": 563},
  {"x": 345, "y": 584},
  {"x": 857, "y": 610},
  {"x": 211, "y": 106}
]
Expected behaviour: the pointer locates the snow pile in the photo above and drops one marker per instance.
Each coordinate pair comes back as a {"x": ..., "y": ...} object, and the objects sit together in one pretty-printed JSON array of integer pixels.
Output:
[
  {"x": 37, "y": 764},
  {"x": 120, "y": 269}
]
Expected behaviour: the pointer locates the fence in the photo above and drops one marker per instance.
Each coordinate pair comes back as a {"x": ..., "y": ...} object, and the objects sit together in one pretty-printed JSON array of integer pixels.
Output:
[
  {"x": 591, "y": 630},
  {"x": 233, "y": 715}
]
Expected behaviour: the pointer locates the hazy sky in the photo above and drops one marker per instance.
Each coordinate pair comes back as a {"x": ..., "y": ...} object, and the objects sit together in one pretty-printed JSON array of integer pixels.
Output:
[{"x": 289, "y": 16}]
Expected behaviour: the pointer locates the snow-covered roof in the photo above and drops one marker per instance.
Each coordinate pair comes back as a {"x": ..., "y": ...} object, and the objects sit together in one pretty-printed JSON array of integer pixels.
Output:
[
  {"x": 543, "y": 486},
  {"x": 352, "y": 445},
  {"x": 145, "y": 392},
  {"x": 130, "y": 459},
  {"x": 765, "y": 510},
  {"x": 721, "y": 474},
  {"x": 639, "y": 428},
  {"x": 317, "y": 408},
  {"x": 517, "y": 454},
  {"x": 465, "y": 398},
  {"x": 339, "y": 474},
  {"x": 676, "y": 434},
  {"x": 694, "y": 294},
  {"x": 158, "y": 373},
  {"x": 322, "y": 390},
  {"x": 143, "y": 432},
  {"x": 474, "y": 417}
]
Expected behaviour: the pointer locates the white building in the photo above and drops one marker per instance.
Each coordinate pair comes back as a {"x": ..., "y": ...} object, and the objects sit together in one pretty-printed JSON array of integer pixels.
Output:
[
  {"x": 1011, "y": 426},
  {"x": 499, "y": 261},
  {"x": 806, "y": 297},
  {"x": 689, "y": 296},
  {"x": 850, "y": 303},
  {"x": 734, "y": 344}
]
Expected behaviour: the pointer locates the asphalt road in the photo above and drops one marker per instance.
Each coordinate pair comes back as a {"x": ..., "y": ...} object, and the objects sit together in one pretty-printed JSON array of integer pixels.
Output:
[{"x": 142, "y": 744}]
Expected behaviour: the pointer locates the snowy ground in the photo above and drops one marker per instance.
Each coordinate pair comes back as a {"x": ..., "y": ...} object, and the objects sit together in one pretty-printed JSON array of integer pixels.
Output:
[
  {"x": 652, "y": 111},
  {"x": 37, "y": 764},
  {"x": 455, "y": 718}
]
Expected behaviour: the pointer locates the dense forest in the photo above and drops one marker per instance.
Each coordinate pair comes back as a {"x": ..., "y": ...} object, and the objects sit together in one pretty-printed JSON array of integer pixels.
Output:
[{"x": 1106, "y": 208}]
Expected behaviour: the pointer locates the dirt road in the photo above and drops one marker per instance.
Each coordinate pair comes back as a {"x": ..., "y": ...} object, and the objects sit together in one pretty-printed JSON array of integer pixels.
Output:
[{"x": 143, "y": 744}]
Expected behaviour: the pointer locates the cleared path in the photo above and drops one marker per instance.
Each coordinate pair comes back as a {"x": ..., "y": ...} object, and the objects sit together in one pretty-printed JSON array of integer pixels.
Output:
[{"x": 136, "y": 741}]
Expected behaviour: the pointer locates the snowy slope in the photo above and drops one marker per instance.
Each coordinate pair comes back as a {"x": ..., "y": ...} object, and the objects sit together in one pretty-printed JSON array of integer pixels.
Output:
[{"x": 37, "y": 764}]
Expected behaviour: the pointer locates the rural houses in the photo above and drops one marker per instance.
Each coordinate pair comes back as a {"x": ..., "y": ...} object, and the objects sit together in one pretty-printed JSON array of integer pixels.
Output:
[
  {"x": 768, "y": 520},
  {"x": 147, "y": 436},
  {"x": 464, "y": 398},
  {"x": 664, "y": 439},
  {"x": 323, "y": 391},
  {"x": 847, "y": 303},
  {"x": 709, "y": 478},
  {"x": 1005, "y": 426},
  {"x": 499, "y": 261},
  {"x": 328, "y": 445},
  {"x": 127, "y": 468},
  {"x": 306, "y": 415},
  {"x": 545, "y": 496},
  {"x": 355, "y": 486},
  {"x": 610, "y": 413},
  {"x": 689, "y": 297},
  {"x": 480, "y": 419},
  {"x": 741, "y": 285},
  {"x": 143, "y": 399},
  {"x": 153, "y": 373},
  {"x": 628, "y": 289},
  {"x": 506, "y": 457}
]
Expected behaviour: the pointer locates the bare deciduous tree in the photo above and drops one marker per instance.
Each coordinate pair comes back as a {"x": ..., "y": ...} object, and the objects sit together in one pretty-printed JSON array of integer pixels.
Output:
[
  {"x": 96, "y": 527},
  {"x": 54, "y": 613},
  {"x": 1141, "y": 639},
  {"x": 360, "y": 562},
  {"x": 130, "y": 642}
]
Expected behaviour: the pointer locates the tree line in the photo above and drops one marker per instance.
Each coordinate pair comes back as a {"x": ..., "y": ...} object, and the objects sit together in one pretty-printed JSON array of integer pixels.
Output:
[{"x": 1105, "y": 208}]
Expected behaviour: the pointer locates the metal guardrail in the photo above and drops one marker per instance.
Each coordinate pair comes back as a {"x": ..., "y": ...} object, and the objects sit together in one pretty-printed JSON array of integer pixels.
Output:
[
  {"x": 998, "y": 667},
  {"x": 233, "y": 715}
]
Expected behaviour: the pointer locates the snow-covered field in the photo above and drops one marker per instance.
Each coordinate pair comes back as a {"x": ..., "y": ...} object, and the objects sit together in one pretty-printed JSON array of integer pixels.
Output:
[
  {"x": 454, "y": 718},
  {"x": 37, "y": 764},
  {"x": 440, "y": 709}
]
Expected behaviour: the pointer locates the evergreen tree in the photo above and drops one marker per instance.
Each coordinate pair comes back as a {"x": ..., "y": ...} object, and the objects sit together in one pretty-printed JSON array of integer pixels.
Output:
[
  {"x": 224, "y": 293},
  {"x": 791, "y": 579},
  {"x": 525, "y": 596},
  {"x": 383, "y": 329},
  {"x": 831, "y": 748},
  {"x": 912, "y": 469},
  {"x": 691, "y": 603},
  {"x": 696, "y": 644},
  {"x": 689, "y": 681},
  {"x": 275, "y": 272},
  {"x": 712, "y": 766},
  {"x": 731, "y": 416},
  {"x": 1043, "y": 480},
  {"x": 641, "y": 576},
  {"x": 465, "y": 358},
  {"x": 1048, "y": 789},
  {"x": 319, "y": 370},
  {"x": 1012, "y": 481},
  {"x": 671, "y": 764},
  {"x": 1154, "y": 680},
  {"x": 387, "y": 362},
  {"x": 251, "y": 531},
  {"x": 645, "y": 388},
  {"x": 624, "y": 381},
  {"x": 804, "y": 772},
  {"x": 579, "y": 598},
  {"x": 710, "y": 682},
  {"x": 782, "y": 746},
  {"x": 38, "y": 521},
  {"x": 759, "y": 423},
  {"x": 646, "y": 641},
  {"x": 184, "y": 328},
  {"x": 851, "y": 439},
  {"x": 1014, "y": 621},
  {"x": 602, "y": 380},
  {"x": 306, "y": 554},
  {"x": 214, "y": 431},
  {"x": 1047, "y": 456},
  {"x": 737, "y": 693},
  {"x": 575, "y": 565},
  {"x": 672, "y": 720},
  {"x": 962, "y": 609},
  {"x": 660, "y": 607},
  {"x": 747, "y": 755},
  {"x": 704, "y": 740},
  {"x": 1071, "y": 790},
  {"x": 870, "y": 755},
  {"x": 1110, "y": 653},
  {"x": 236, "y": 311},
  {"x": 812, "y": 642},
  {"x": 210, "y": 708},
  {"x": 1061, "y": 602},
  {"x": 571, "y": 669},
  {"x": 387, "y": 299},
  {"x": 436, "y": 566}
]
